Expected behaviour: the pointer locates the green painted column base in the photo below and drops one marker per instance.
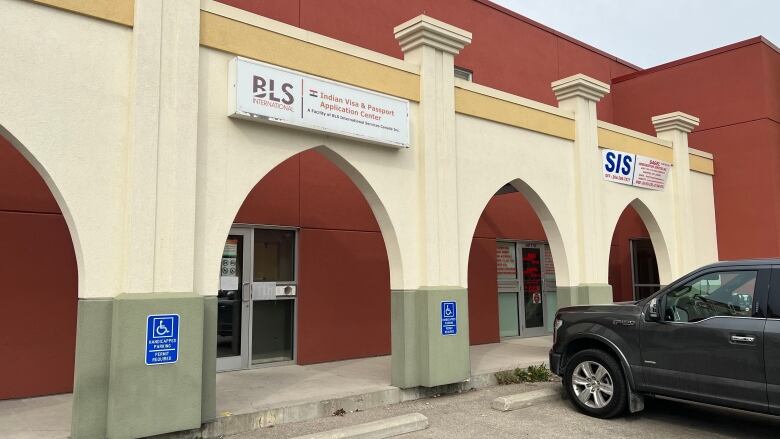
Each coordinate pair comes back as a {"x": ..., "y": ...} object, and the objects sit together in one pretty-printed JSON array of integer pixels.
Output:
[
  {"x": 90, "y": 381},
  {"x": 584, "y": 294},
  {"x": 116, "y": 395},
  {"x": 421, "y": 355}
]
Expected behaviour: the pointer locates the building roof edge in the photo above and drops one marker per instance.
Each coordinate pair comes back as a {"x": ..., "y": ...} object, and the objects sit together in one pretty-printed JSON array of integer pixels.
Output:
[
  {"x": 587, "y": 46},
  {"x": 734, "y": 46}
]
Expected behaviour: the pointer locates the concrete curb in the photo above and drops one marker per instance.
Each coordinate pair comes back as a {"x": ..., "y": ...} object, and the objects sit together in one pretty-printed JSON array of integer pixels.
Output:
[
  {"x": 305, "y": 410},
  {"x": 376, "y": 429},
  {"x": 525, "y": 399}
]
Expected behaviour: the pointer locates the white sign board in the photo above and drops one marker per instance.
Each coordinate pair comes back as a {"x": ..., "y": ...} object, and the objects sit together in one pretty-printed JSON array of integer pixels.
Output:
[
  {"x": 272, "y": 94},
  {"x": 634, "y": 170}
]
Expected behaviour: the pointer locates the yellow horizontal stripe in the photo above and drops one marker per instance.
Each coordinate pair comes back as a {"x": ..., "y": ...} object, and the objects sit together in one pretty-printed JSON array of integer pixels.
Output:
[
  {"x": 622, "y": 142},
  {"x": 701, "y": 164},
  {"x": 116, "y": 11},
  {"x": 498, "y": 110},
  {"x": 242, "y": 39}
]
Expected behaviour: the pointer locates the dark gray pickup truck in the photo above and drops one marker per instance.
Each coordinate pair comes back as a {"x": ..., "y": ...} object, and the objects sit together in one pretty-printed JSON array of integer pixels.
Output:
[{"x": 712, "y": 336}]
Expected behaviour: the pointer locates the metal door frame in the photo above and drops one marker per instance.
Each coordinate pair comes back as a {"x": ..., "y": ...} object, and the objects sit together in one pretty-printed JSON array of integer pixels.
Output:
[
  {"x": 541, "y": 330},
  {"x": 242, "y": 361}
]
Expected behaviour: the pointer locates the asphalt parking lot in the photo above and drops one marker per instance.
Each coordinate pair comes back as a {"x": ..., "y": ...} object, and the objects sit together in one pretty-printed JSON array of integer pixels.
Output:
[{"x": 468, "y": 415}]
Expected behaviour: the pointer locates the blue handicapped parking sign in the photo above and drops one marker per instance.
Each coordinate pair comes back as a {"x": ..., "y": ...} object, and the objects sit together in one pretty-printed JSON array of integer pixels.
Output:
[
  {"x": 162, "y": 339},
  {"x": 449, "y": 317}
]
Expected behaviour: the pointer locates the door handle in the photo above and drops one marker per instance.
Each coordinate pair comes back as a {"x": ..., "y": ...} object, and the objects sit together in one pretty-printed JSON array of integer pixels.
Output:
[
  {"x": 743, "y": 338},
  {"x": 246, "y": 296}
]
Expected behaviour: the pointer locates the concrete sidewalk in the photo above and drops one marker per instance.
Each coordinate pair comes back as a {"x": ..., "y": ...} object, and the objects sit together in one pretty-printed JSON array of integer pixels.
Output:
[{"x": 273, "y": 395}]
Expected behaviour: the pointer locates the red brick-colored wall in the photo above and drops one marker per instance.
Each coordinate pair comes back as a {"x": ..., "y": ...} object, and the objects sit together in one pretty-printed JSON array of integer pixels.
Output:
[
  {"x": 526, "y": 67},
  {"x": 39, "y": 294},
  {"x": 735, "y": 91}
]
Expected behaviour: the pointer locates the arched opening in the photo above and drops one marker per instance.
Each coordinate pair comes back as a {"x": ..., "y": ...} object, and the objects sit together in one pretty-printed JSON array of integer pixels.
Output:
[
  {"x": 304, "y": 276},
  {"x": 511, "y": 270},
  {"x": 638, "y": 260},
  {"x": 40, "y": 293}
]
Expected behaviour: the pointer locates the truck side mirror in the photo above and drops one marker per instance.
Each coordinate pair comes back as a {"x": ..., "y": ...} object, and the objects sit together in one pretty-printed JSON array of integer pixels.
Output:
[{"x": 652, "y": 314}]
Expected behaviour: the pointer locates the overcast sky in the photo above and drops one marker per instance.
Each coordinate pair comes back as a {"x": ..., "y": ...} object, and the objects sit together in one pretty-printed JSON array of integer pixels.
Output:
[{"x": 652, "y": 32}]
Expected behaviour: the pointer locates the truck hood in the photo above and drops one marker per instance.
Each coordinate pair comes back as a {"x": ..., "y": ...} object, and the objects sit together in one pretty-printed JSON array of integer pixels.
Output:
[{"x": 617, "y": 307}]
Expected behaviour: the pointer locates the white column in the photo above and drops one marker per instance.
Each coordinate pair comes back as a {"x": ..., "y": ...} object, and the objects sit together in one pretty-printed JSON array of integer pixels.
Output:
[
  {"x": 433, "y": 45},
  {"x": 160, "y": 178},
  {"x": 579, "y": 95},
  {"x": 675, "y": 127}
]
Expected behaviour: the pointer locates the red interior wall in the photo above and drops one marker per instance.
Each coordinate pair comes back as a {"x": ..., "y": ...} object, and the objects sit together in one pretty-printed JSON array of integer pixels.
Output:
[
  {"x": 38, "y": 268},
  {"x": 526, "y": 68},
  {"x": 344, "y": 278},
  {"x": 629, "y": 226},
  {"x": 483, "y": 290},
  {"x": 344, "y": 300},
  {"x": 507, "y": 216}
]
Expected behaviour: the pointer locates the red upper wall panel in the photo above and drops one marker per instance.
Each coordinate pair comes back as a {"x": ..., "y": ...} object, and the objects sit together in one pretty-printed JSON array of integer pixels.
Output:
[
  {"x": 573, "y": 59},
  {"x": 722, "y": 89},
  {"x": 21, "y": 187},
  {"x": 772, "y": 75},
  {"x": 507, "y": 53},
  {"x": 747, "y": 187}
]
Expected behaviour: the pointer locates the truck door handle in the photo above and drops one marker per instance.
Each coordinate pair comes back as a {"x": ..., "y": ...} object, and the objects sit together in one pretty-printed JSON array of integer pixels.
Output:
[{"x": 743, "y": 339}]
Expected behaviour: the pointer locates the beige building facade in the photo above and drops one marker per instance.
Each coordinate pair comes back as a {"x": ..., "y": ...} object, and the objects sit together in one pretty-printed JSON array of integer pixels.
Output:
[{"x": 122, "y": 107}]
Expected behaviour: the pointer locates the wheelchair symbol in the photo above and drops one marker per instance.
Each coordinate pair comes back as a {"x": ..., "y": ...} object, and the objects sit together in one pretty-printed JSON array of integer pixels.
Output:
[
  {"x": 449, "y": 310},
  {"x": 161, "y": 329}
]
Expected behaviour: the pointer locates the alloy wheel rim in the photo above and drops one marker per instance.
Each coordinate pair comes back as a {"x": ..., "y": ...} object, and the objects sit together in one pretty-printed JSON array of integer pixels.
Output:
[{"x": 592, "y": 384}]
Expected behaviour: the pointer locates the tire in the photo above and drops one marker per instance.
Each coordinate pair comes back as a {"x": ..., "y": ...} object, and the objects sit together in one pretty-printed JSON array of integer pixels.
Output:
[{"x": 590, "y": 376}]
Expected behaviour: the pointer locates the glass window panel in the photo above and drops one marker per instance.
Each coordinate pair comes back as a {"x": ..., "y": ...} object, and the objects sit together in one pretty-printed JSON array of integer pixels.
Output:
[
  {"x": 645, "y": 264},
  {"x": 507, "y": 315},
  {"x": 272, "y": 330},
  {"x": 506, "y": 260},
  {"x": 274, "y": 255},
  {"x": 728, "y": 293}
]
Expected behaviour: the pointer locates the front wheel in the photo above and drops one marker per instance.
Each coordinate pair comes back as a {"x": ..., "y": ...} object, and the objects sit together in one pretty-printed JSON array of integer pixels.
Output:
[{"x": 595, "y": 383}]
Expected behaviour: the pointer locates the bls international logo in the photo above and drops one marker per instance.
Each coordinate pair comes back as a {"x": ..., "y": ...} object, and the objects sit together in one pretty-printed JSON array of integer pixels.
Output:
[{"x": 272, "y": 93}]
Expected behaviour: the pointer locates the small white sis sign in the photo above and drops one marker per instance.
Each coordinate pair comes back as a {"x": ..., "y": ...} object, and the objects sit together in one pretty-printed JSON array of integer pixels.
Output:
[{"x": 634, "y": 170}]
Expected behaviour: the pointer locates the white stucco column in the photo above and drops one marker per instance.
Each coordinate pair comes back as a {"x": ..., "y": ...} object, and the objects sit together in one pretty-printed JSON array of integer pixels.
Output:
[
  {"x": 433, "y": 45},
  {"x": 421, "y": 353},
  {"x": 579, "y": 95},
  {"x": 675, "y": 127},
  {"x": 160, "y": 185}
]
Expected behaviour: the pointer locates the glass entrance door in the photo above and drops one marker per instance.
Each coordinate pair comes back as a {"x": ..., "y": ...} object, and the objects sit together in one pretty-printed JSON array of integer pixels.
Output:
[
  {"x": 256, "y": 300},
  {"x": 532, "y": 313},
  {"x": 521, "y": 307}
]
